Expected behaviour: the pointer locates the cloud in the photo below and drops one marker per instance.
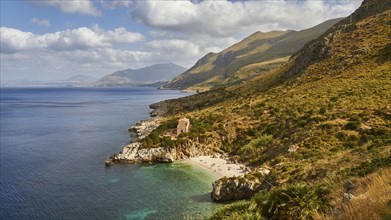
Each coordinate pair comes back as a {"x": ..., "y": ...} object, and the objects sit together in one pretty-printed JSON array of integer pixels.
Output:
[
  {"x": 91, "y": 51},
  {"x": 224, "y": 18},
  {"x": 111, "y": 4},
  {"x": 174, "y": 48},
  {"x": 14, "y": 40},
  {"x": 85, "y": 7},
  {"x": 50, "y": 65},
  {"x": 43, "y": 22}
]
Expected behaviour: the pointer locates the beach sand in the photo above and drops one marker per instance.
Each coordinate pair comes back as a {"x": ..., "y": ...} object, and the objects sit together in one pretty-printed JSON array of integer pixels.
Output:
[{"x": 218, "y": 166}]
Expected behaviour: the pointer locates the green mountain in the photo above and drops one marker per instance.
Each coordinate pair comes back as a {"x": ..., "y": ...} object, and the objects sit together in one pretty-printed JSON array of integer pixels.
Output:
[
  {"x": 149, "y": 75},
  {"x": 321, "y": 124},
  {"x": 230, "y": 66}
]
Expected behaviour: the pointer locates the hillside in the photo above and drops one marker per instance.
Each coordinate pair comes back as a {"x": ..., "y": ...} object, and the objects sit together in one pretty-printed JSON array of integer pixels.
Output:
[
  {"x": 320, "y": 124},
  {"x": 230, "y": 66},
  {"x": 149, "y": 75}
]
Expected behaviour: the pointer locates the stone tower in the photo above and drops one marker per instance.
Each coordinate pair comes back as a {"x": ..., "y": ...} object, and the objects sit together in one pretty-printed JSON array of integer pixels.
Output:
[{"x": 183, "y": 125}]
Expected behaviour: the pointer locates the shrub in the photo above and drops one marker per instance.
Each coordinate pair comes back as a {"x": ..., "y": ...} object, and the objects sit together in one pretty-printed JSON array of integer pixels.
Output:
[
  {"x": 323, "y": 110},
  {"x": 368, "y": 167},
  {"x": 296, "y": 201},
  {"x": 352, "y": 125},
  {"x": 326, "y": 126},
  {"x": 232, "y": 210},
  {"x": 262, "y": 140},
  {"x": 302, "y": 123},
  {"x": 271, "y": 129}
]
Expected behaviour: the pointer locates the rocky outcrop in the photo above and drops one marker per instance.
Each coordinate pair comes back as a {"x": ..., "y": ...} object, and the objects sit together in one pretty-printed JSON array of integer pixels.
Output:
[
  {"x": 137, "y": 153},
  {"x": 235, "y": 188},
  {"x": 144, "y": 127},
  {"x": 159, "y": 108}
]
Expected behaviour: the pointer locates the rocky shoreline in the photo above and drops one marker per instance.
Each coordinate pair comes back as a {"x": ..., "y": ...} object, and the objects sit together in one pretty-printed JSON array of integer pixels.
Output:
[
  {"x": 232, "y": 186},
  {"x": 137, "y": 153}
]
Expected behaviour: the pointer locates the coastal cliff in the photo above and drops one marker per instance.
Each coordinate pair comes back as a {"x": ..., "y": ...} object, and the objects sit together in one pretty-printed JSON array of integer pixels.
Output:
[
  {"x": 235, "y": 187},
  {"x": 137, "y": 152}
]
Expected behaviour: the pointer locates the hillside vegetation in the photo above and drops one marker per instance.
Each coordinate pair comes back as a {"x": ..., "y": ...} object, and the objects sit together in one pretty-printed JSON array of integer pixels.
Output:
[
  {"x": 320, "y": 120},
  {"x": 230, "y": 66}
]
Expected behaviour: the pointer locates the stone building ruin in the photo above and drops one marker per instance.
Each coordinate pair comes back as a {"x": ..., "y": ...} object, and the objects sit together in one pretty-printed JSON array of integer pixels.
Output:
[{"x": 183, "y": 126}]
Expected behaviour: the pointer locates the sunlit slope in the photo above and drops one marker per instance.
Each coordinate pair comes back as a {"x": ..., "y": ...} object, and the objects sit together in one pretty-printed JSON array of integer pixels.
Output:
[
  {"x": 216, "y": 69},
  {"x": 331, "y": 103}
]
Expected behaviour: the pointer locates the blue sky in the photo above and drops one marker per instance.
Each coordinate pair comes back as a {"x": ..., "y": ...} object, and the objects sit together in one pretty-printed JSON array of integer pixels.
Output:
[{"x": 56, "y": 39}]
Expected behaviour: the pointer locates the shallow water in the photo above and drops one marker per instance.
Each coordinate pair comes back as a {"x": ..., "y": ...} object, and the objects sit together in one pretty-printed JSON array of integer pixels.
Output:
[{"x": 53, "y": 145}]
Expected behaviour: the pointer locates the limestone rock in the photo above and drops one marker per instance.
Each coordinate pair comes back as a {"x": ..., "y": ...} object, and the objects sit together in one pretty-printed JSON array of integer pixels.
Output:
[
  {"x": 144, "y": 127},
  {"x": 347, "y": 197},
  {"x": 235, "y": 188},
  {"x": 349, "y": 186},
  {"x": 264, "y": 171},
  {"x": 293, "y": 148},
  {"x": 137, "y": 153}
]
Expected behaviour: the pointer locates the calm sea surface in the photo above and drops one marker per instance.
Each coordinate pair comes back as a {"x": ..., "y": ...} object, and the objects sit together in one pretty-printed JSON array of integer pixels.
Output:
[{"x": 53, "y": 145}]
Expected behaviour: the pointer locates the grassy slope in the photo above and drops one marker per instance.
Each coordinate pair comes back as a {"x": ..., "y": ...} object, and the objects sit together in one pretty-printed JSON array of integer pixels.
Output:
[
  {"x": 217, "y": 69},
  {"x": 333, "y": 105}
]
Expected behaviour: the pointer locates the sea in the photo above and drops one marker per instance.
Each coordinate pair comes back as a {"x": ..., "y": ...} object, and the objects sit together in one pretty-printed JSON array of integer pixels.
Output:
[{"x": 54, "y": 142}]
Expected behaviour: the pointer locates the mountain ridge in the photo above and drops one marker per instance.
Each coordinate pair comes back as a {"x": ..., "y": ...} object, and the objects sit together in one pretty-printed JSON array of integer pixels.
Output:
[{"x": 218, "y": 69}]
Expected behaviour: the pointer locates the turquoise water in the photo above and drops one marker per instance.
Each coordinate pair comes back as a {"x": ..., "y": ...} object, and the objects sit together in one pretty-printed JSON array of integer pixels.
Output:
[{"x": 53, "y": 145}]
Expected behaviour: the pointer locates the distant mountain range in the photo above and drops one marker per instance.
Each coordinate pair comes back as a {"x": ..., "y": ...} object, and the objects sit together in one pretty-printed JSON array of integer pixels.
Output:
[
  {"x": 265, "y": 50},
  {"x": 153, "y": 76},
  {"x": 147, "y": 76},
  {"x": 81, "y": 79},
  {"x": 77, "y": 80}
]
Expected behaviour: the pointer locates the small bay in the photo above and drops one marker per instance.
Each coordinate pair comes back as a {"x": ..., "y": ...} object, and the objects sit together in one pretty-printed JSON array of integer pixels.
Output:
[{"x": 53, "y": 145}]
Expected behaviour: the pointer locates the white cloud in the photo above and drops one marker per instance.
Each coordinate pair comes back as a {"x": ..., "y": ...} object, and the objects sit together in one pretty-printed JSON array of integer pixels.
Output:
[
  {"x": 224, "y": 18},
  {"x": 50, "y": 65},
  {"x": 85, "y": 7},
  {"x": 83, "y": 50},
  {"x": 13, "y": 40},
  {"x": 174, "y": 48},
  {"x": 41, "y": 22},
  {"x": 118, "y": 35},
  {"x": 111, "y": 4}
]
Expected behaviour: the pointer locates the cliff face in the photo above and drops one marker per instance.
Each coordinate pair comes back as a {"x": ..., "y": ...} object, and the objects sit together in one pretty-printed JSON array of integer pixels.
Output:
[{"x": 137, "y": 153}]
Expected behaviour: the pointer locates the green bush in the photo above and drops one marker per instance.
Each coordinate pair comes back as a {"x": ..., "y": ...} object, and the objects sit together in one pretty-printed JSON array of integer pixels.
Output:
[
  {"x": 262, "y": 140},
  {"x": 368, "y": 167},
  {"x": 323, "y": 110},
  {"x": 231, "y": 211},
  {"x": 296, "y": 201},
  {"x": 271, "y": 129},
  {"x": 352, "y": 125}
]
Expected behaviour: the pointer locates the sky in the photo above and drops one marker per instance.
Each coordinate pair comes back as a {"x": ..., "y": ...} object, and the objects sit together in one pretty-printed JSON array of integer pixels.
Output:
[{"x": 56, "y": 39}]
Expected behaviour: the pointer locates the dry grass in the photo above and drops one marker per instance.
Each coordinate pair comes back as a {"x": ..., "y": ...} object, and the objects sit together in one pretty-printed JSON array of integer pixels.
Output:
[{"x": 372, "y": 199}]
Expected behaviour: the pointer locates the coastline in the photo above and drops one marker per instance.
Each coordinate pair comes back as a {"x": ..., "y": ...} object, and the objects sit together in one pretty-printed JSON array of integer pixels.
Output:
[
  {"x": 231, "y": 181},
  {"x": 217, "y": 166}
]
